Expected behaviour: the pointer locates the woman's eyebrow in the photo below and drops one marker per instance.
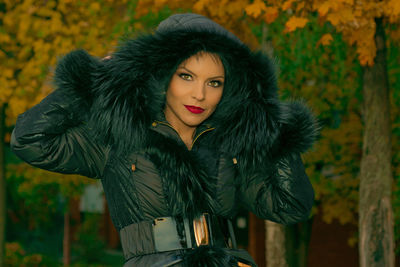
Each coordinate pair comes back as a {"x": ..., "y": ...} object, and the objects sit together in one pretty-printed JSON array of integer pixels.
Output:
[
  {"x": 183, "y": 67},
  {"x": 220, "y": 76},
  {"x": 191, "y": 72}
]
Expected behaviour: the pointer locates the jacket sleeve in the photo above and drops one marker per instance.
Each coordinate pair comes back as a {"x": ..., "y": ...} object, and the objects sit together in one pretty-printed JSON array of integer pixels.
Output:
[
  {"x": 282, "y": 194},
  {"x": 53, "y": 135}
]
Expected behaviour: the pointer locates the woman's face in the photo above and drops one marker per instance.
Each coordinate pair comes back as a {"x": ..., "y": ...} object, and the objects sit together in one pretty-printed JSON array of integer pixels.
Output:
[{"x": 194, "y": 91}]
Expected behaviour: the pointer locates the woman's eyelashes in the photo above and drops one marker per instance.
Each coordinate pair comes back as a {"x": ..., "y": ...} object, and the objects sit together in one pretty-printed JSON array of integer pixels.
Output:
[
  {"x": 186, "y": 76},
  {"x": 212, "y": 83},
  {"x": 215, "y": 83}
]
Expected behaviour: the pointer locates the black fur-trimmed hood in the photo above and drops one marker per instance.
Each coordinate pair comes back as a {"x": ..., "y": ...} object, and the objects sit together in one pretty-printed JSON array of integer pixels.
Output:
[
  {"x": 122, "y": 96},
  {"x": 126, "y": 93}
]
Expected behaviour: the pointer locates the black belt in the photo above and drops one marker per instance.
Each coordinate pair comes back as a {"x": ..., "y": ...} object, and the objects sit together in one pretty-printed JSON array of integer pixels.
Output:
[{"x": 170, "y": 233}]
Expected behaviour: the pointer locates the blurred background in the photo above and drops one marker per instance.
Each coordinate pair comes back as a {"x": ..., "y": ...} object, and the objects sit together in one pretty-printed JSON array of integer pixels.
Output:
[{"x": 342, "y": 57}]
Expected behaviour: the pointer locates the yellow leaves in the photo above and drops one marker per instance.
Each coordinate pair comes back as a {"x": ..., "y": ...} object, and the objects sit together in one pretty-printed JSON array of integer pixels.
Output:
[
  {"x": 95, "y": 6},
  {"x": 4, "y": 38},
  {"x": 338, "y": 208},
  {"x": 356, "y": 21},
  {"x": 56, "y": 25},
  {"x": 295, "y": 22},
  {"x": 44, "y": 11},
  {"x": 74, "y": 29},
  {"x": 256, "y": 8},
  {"x": 326, "y": 39},
  {"x": 231, "y": 12},
  {"x": 259, "y": 9},
  {"x": 366, "y": 54},
  {"x": 337, "y": 185},
  {"x": 228, "y": 13},
  {"x": 7, "y": 84},
  {"x": 323, "y": 9},
  {"x": 5, "y": 92},
  {"x": 394, "y": 7},
  {"x": 144, "y": 7},
  {"x": 200, "y": 5},
  {"x": 225, "y": 12},
  {"x": 300, "y": 6},
  {"x": 350, "y": 2},
  {"x": 8, "y": 73},
  {"x": 158, "y": 4},
  {"x": 16, "y": 106},
  {"x": 271, "y": 14},
  {"x": 392, "y": 10},
  {"x": 344, "y": 17},
  {"x": 288, "y": 4},
  {"x": 34, "y": 33},
  {"x": 363, "y": 39}
]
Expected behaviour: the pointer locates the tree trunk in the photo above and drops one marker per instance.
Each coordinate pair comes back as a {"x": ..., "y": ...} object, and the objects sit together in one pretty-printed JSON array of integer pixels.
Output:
[
  {"x": 376, "y": 241},
  {"x": 67, "y": 239},
  {"x": 109, "y": 232},
  {"x": 275, "y": 252},
  {"x": 304, "y": 233},
  {"x": 3, "y": 214},
  {"x": 275, "y": 245},
  {"x": 297, "y": 241},
  {"x": 256, "y": 245},
  {"x": 75, "y": 217}
]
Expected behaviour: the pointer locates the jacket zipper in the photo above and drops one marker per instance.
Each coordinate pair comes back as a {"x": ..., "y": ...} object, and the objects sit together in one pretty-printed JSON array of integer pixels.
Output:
[
  {"x": 197, "y": 136},
  {"x": 206, "y": 130}
]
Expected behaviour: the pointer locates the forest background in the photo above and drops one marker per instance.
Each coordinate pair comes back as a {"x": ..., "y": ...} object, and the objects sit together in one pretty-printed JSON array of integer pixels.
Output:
[{"x": 341, "y": 56}]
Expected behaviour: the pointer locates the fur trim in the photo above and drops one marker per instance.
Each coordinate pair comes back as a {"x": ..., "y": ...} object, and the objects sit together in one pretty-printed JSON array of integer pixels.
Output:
[
  {"x": 132, "y": 89},
  {"x": 299, "y": 129},
  {"x": 187, "y": 186},
  {"x": 205, "y": 256},
  {"x": 74, "y": 75},
  {"x": 128, "y": 94}
]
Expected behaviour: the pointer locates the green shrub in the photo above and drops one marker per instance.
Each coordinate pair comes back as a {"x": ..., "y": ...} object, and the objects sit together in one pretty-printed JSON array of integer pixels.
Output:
[{"x": 89, "y": 246}]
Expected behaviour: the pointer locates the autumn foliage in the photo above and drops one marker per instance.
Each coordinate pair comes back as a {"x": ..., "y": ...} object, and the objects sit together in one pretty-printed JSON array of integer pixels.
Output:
[
  {"x": 354, "y": 19},
  {"x": 320, "y": 64},
  {"x": 33, "y": 34}
]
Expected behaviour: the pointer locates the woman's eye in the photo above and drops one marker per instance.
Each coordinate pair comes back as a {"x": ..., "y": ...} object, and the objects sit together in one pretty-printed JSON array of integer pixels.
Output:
[
  {"x": 215, "y": 83},
  {"x": 186, "y": 76}
]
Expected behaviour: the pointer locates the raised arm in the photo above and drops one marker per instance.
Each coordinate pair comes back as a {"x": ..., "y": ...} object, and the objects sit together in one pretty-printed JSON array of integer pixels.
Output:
[
  {"x": 272, "y": 181},
  {"x": 53, "y": 135},
  {"x": 282, "y": 194}
]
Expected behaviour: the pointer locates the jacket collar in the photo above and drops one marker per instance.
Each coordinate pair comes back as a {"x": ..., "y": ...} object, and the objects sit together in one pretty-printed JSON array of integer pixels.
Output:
[{"x": 166, "y": 129}]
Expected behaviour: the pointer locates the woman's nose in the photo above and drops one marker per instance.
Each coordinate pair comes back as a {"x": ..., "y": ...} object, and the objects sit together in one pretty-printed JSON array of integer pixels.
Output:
[{"x": 198, "y": 92}]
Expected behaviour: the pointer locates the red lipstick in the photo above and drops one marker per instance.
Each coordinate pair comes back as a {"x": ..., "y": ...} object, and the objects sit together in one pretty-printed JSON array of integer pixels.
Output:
[{"x": 194, "y": 109}]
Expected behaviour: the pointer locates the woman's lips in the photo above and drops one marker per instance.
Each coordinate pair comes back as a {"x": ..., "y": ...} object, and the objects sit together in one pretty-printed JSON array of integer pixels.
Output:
[{"x": 194, "y": 109}]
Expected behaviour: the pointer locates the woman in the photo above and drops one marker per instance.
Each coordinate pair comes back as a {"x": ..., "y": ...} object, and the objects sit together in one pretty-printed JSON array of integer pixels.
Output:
[{"x": 182, "y": 126}]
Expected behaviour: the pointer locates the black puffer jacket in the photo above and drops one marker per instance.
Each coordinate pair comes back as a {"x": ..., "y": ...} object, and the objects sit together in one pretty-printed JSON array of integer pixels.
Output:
[{"x": 105, "y": 120}]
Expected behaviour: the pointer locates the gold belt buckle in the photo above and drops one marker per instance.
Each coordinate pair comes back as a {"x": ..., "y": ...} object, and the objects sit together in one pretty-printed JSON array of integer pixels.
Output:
[{"x": 200, "y": 228}]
